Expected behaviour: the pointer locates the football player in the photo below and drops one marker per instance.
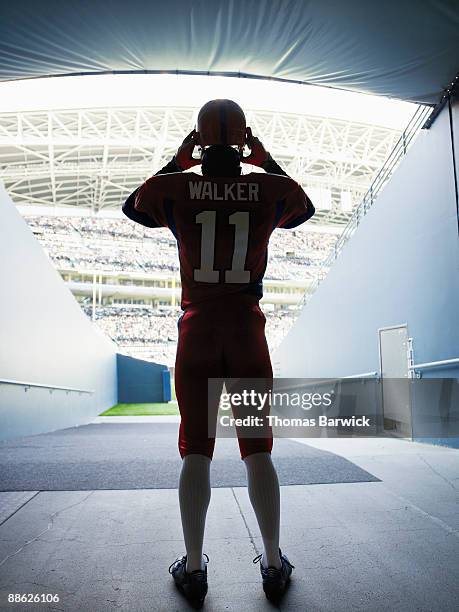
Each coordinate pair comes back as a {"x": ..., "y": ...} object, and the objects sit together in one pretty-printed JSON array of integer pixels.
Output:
[{"x": 222, "y": 221}]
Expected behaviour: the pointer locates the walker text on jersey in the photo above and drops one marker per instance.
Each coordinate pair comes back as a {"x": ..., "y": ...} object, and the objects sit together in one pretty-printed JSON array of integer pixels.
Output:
[{"x": 237, "y": 192}]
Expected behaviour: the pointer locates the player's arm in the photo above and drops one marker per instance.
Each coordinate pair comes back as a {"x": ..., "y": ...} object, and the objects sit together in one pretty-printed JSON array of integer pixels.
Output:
[
  {"x": 147, "y": 204},
  {"x": 259, "y": 156},
  {"x": 182, "y": 160},
  {"x": 136, "y": 215},
  {"x": 272, "y": 167},
  {"x": 295, "y": 208},
  {"x": 170, "y": 167}
]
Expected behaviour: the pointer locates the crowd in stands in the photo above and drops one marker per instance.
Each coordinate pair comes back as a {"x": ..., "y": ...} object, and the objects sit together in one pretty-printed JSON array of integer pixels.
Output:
[
  {"x": 92, "y": 255},
  {"x": 148, "y": 331},
  {"x": 137, "y": 325},
  {"x": 117, "y": 244},
  {"x": 120, "y": 245},
  {"x": 105, "y": 228},
  {"x": 90, "y": 227}
]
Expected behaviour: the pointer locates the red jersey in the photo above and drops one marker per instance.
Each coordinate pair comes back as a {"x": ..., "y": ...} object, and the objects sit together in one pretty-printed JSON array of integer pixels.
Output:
[{"x": 222, "y": 226}]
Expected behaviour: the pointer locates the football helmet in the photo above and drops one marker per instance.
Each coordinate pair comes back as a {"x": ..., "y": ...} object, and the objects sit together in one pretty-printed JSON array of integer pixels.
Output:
[{"x": 221, "y": 122}]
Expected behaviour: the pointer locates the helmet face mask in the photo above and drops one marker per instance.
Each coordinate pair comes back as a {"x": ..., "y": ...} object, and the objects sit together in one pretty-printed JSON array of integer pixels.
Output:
[{"x": 221, "y": 122}]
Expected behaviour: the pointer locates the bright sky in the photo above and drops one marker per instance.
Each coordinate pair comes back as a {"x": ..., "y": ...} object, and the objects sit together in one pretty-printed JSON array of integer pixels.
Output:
[{"x": 188, "y": 90}]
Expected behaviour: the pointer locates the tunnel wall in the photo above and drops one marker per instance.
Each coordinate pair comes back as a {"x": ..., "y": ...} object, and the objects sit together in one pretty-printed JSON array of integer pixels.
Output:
[
  {"x": 46, "y": 339},
  {"x": 400, "y": 266}
]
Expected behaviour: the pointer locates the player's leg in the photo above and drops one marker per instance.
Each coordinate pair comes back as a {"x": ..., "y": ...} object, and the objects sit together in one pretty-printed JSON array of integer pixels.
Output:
[
  {"x": 264, "y": 494},
  {"x": 189, "y": 571},
  {"x": 194, "y": 498},
  {"x": 247, "y": 356},
  {"x": 263, "y": 484},
  {"x": 197, "y": 359}
]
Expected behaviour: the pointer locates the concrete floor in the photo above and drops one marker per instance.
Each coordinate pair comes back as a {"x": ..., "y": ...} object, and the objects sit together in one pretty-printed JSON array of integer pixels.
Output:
[{"x": 370, "y": 546}]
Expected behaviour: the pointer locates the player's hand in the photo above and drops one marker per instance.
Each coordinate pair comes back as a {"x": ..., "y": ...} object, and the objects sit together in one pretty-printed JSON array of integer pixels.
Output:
[
  {"x": 258, "y": 153},
  {"x": 184, "y": 156}
]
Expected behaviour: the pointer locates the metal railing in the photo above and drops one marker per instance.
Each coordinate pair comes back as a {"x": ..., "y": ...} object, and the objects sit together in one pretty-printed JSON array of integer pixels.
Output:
[
  {"x": 434, "y": 364},
  {"x": 312, "y": 382},
  {"x": 28, "y": 385},
  {"x": 399, "y": 151},
  {"x": 364, "y": 375}
]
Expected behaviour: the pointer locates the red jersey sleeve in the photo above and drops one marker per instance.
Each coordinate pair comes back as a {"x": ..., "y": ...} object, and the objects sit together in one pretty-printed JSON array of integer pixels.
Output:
[
  {"x": 150, "y": 199},
  {"x": 296, "y": 208}
]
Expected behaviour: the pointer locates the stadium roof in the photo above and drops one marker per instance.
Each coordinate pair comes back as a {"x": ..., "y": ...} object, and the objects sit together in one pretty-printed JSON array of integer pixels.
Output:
[
  {"x": 404, "y": 49},
  {"x": 95, "y": 157}
]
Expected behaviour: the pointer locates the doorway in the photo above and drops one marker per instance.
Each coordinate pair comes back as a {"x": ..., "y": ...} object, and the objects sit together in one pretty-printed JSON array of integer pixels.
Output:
[{"x": 395, "y": 382}]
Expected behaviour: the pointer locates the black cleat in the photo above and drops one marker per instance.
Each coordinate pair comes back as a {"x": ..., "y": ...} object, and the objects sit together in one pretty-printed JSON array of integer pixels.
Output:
[
  {"x": 193, "y": 585},
  {"x": 275, "y": 580}
]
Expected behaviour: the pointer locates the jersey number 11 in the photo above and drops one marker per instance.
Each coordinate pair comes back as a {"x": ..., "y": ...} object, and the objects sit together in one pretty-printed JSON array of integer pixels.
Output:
[{"x": 237, "y": 274}]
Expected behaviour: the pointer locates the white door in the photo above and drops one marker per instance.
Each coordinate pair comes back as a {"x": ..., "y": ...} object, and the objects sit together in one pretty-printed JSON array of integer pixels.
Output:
[{"x": 393, "y": 354}]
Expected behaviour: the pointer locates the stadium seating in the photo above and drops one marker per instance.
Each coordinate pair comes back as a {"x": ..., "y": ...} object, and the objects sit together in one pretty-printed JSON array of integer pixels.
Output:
[{"x": 116, "y": 244}]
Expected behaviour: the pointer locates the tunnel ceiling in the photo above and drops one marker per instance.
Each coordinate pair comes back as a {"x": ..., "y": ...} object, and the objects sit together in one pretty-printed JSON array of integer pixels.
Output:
[{"x": 405, "y": 49}]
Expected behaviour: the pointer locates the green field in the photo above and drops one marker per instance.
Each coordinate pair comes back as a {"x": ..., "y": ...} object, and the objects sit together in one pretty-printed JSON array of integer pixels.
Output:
[
  {"x": 141, "y": 409},
  {"x": 144, "y": 409}
]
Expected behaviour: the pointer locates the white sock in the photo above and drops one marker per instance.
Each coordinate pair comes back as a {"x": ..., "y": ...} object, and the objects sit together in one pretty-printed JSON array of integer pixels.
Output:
[
  {"x": 194, "y": 498},
  {"x": 264, "y": 494}
]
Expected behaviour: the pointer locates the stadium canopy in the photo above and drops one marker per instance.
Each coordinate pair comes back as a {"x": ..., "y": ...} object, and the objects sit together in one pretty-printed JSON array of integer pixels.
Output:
[{"x": 405, "y": 49}]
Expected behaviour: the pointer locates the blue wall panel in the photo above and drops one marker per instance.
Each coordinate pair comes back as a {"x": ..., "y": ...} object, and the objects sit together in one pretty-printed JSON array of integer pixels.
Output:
[{"x": 142, "y": 381}]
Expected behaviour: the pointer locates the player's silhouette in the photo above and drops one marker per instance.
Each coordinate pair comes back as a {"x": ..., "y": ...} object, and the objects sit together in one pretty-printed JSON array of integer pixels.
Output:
[{"x": 222, "y": 221}]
